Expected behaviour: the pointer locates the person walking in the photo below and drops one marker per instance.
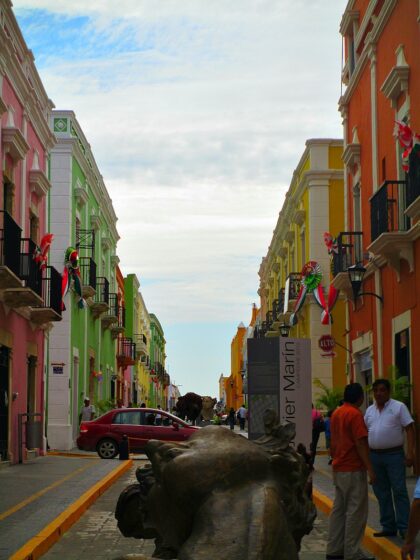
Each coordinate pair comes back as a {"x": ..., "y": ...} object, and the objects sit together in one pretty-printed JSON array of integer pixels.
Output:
[
  {"x": 231, "y": 418},
  {"x": 350, "y": 452},
  {"x": 318, "y": 426},
  {"x": 88, "y": 411},
  {"x": 242, "y": 413},
  {"x": 327, "y": 423},
  {"x": 409, "y": 547},
  {"x": 386, "y": 421},
  {"x": 158, "y": 417}
]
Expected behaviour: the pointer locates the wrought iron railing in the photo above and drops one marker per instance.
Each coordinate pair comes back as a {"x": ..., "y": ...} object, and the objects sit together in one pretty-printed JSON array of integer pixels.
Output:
[
  {"x": 348, "y": 251},
  {"x": 88, "y": 272},
  {"x": 102, "y": 290},
  {"x": 413, "y": 182},
  {"x": 387, "y": 208},
  {"x": 113, "y": 305},
  {"x": 30, "y": 271},
  {"x": 126, "y": 348},
  {"x": 294, "y": 282},
  {"x": 10, "y": 236},
  {"x": 51, "y": 289}
]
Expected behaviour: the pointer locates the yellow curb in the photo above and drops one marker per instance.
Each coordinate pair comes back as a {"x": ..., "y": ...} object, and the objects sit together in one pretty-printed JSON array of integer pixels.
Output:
[
  {"x": 68, "y": 454},
  {"x": 49, "y": 535},
  {"x": 382, "y": 548}
]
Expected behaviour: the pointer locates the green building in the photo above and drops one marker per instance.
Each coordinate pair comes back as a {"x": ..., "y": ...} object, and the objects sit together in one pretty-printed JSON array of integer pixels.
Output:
[{"x": 82, "y": 348}]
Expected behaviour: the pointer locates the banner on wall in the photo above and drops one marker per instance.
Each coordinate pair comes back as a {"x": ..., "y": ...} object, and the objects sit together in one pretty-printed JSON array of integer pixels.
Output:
[{"x": 295, "y": 386}]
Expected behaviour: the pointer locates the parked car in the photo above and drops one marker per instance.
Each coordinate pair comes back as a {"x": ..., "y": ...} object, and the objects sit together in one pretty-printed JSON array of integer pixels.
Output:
[{"x": 104, "y": 434}]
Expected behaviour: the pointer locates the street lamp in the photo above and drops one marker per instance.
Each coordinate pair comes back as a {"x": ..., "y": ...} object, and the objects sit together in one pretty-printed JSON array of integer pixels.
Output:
[
  {"x": 284, "y": 329},
  {"x": 356, "y": 274}
]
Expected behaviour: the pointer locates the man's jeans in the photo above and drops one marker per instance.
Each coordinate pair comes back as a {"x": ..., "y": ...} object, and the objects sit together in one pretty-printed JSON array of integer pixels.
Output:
[{"x": 391, "y": 490}]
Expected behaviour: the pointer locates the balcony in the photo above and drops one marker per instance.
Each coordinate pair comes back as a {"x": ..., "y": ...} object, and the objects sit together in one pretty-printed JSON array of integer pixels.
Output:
[
  {"x": 141, "y": 345},
  {"x": 29, "y": 294},
  {"x": 291, "y": 291},
  {"x": 110, "y": 317},
  {"x": 391, "y": 234},
  {"x": 10, "y": 235},
  {"x": 50, "y": 310},
  {"x": 349, "y": 252},
  {"x": 126, "y": 352},
  {"x": 101, "y": 298},
  {"x": 413, "y": 187},
  {"x": 119, "y": 326},
  {"x": 88, "y": 275}
]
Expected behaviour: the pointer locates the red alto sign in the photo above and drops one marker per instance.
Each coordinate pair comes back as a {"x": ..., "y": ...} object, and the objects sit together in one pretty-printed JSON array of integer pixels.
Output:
[{"x": 327, "y": 344}]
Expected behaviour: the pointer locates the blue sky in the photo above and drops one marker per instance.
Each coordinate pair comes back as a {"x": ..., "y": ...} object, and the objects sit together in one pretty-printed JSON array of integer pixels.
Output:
[{"x": 197, "y": 113}]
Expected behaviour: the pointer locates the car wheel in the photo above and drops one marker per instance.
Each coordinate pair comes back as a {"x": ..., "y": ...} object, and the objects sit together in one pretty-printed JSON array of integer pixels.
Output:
[{"x": 107, "y": 449}]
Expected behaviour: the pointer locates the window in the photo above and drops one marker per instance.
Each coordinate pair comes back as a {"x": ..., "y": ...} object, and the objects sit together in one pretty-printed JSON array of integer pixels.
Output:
[
  {"x": 357, "y": 210},
  {"x": 33, "y": 227},
  {"x": 127, "y": 417},
  {"x": 303, "y": 246},
  {"x": 364, "y": 373},
  {"x": 8, "y": 193}
]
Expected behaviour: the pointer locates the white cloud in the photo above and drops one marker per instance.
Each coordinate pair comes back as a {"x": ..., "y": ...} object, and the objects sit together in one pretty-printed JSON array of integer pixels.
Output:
[{"x": 197, "y": 113}]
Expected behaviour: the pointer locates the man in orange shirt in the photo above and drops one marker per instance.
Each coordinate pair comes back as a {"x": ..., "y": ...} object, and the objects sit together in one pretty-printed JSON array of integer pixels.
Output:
[{"x": 350, "y": 453}]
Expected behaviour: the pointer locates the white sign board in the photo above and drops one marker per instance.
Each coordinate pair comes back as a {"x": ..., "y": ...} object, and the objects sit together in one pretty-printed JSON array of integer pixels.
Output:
[{"x": 295, "y": 387}]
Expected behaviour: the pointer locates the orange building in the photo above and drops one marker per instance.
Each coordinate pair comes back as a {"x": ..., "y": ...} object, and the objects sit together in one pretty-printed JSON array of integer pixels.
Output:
[{"x": 382, "y": 78}]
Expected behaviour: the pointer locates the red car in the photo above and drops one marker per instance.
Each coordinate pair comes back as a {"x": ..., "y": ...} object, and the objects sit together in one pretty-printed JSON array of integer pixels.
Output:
[{"x": 104, "y": 434}]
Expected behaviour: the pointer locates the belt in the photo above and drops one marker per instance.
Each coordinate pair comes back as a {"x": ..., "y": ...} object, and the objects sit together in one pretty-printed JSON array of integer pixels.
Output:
[{"x": 388, "y": 450}]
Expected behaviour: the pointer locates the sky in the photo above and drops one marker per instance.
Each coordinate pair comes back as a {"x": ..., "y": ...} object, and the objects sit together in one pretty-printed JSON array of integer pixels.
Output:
[{"x": 197, "y": 113}]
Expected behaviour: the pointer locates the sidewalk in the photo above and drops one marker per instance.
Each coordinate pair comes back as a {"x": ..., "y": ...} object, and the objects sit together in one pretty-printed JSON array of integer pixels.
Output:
[
  {"x": 384, "y": 548},
  {"x": 34, "y": 494}
]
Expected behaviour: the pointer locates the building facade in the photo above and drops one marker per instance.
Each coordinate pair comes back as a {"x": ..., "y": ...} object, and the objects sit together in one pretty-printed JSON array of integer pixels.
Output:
[
  {"x": 298, "y": 262},
  {"x": 381, "y": 76},
  {"x": 82, "y": 349},
  {"x": 159, "y": 377},
  {"x": 29, "y": 290}
]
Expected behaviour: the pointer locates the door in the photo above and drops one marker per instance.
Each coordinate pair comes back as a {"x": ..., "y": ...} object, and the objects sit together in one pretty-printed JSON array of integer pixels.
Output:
[
  {"x": 128, "y": 423},
  {"x": 31, "y": 386},
  {"x": 4, "y": 402},
  {"x": 75, "y": 398}
]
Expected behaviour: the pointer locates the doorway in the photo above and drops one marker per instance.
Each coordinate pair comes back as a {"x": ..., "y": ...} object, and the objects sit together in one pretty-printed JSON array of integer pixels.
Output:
[
  {"x": 75, "y": 382},
  {"x": 31, "y": 386},
  {"x": 4, "y": 403}
]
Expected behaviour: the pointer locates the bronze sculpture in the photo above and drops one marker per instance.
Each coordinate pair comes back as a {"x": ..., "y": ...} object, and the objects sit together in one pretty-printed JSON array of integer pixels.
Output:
[{"x": 221, "y": 495}]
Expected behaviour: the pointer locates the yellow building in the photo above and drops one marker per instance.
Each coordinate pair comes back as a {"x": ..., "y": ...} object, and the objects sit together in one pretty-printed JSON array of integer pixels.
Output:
[{"x": 314, "y": 204}]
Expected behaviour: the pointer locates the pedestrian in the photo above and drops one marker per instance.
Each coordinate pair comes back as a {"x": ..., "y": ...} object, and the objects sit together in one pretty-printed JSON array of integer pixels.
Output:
[
  {"x": 242, "y": 414},
  {"x": 387, "y": 420},
  {"x": 318, "y": 426},
  {"x": 143, "y": 415},
  {"x": 350, "y": 452},
  {"x": 231, "y": 418},
  {"x": 88, "y": 411},
  {"x": 327, "y": 423},
  {"x": 409, "y": 547},
  {"x": 158, "y": 420}
]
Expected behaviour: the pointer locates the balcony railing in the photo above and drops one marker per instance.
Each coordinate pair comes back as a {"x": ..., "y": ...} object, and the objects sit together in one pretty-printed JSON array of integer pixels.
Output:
[
  {"x": 111, "y": 314},
  {"x": 29, "y": 269},
  {"x": 119, "y": 325},
  {"x": 126, "y": 351},
  {"x": 349, "y": 251},
  {"x": 50, "y": 310},
  {"x": 10, "y": 235},
  {"x": 413, "y": 183},
  {"x": 101, "y": 297},
  {"x": 387, "y": 207},
  {"x": 88, "y": 274}
]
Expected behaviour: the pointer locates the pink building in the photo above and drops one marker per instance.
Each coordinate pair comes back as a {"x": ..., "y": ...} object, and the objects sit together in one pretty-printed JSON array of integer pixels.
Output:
[{"x": 29, "y": 296}]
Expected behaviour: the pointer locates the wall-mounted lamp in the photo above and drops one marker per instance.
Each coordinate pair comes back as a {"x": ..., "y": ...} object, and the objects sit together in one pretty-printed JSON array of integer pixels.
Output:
[
  {"x": 284, "y": 329},
  {"x": 356, "y": 274}
]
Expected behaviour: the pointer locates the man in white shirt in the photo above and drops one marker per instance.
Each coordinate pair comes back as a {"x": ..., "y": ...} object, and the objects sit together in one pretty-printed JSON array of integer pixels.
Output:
[
  {"x": 242, "y": 414},
  {"x": 88, "y": 411},
  {"x": 386, "y": 421}
]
